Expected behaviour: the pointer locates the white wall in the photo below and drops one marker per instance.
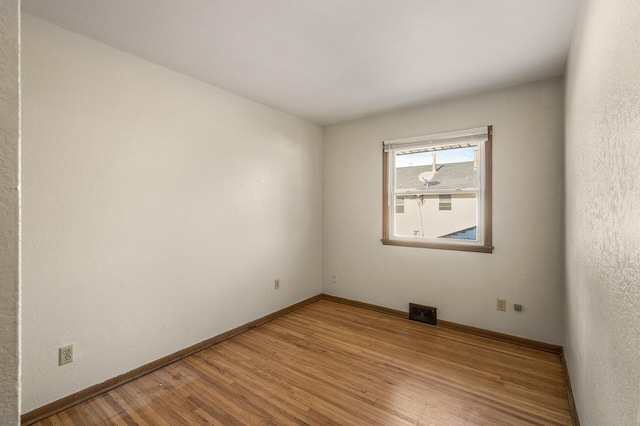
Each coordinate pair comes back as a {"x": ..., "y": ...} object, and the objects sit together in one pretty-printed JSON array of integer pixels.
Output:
[
  {"x": 526, "y": 266},
  {"x": 603, "y": 213},
  {"x": 157, "y": 210},
  {"x": 9, "y": 212}
]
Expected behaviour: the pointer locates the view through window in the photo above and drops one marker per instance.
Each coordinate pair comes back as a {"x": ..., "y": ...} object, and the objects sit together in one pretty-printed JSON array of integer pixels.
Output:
[{"x": 437, "y": 191}]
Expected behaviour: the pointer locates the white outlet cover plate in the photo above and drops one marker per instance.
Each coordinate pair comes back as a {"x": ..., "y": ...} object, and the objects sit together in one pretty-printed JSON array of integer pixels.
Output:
[{"x": 65, "y": 354}]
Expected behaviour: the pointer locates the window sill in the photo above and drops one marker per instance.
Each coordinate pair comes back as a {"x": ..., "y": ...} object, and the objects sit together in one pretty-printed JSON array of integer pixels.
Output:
[{"x": 422, "y": 244}]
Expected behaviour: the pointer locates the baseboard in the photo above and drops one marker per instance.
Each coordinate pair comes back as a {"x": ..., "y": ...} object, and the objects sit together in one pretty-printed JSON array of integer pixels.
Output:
[
  {"x": 86, "y": 394},
  {"x": 534, "y": 344},
  {"x": 93, "y": 391},
  {"x": 368, "y": 306},
  {"x": 572, "y": 402}
]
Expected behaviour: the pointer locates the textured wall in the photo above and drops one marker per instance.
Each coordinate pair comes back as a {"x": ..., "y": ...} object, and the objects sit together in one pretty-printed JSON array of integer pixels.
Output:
[
  {"x": 603, "y": 213},
  {"x": 527, "y": 264},
  {"x": 9, "y": 212},
  {"x": 156, "y": 209}
]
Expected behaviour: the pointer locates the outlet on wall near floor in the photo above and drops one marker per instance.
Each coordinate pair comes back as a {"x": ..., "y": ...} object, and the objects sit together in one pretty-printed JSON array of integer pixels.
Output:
[
  {"x": 334, "y": 279},
  {"x": 65, "y": 355},
  {"x": 501, "y": 304},
  {"x": 276, "y": 283}
]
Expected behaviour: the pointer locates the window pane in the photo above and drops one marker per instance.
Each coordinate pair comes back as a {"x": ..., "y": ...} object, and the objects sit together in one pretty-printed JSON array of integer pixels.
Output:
[
  {"x": 422, "y": 217},
  {"x": 437, "y": 191},
  {"x": 446, "y": 168}
]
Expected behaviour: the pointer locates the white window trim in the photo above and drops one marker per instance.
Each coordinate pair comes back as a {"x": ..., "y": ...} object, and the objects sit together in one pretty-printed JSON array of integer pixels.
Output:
[{"x": 480, "y": 135}]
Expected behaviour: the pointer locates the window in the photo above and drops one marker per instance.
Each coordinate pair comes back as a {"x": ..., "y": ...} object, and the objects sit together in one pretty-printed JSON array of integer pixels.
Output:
[
  {"x": 445, "y": 202},
  {"x": 443, "y": 184}
]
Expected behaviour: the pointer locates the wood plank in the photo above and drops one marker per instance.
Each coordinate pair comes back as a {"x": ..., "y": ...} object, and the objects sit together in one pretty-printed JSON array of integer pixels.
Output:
[
  {"x": 84, "y": 395},
  {"x": 332, "y": 363}
]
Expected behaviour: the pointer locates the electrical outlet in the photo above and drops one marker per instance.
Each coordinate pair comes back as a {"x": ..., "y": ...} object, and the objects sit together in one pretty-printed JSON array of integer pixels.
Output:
[
  {"x": 334, "y": 279},
  {"x": 65, "y": 355},
  {"x": 501, "y": 304},
  {"x": 276, "y": 283}
]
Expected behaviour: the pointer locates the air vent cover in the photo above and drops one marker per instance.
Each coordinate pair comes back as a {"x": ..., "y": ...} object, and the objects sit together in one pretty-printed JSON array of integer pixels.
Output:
[{"x": 422, "y": 313}]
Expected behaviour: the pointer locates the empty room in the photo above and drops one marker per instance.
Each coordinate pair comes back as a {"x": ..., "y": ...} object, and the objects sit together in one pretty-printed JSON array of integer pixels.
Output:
[{"x": 356, "y": 212}]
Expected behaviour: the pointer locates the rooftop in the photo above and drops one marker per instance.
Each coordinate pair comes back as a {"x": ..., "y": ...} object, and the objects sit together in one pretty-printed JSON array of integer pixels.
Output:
[{"x": 448, "y": 176}]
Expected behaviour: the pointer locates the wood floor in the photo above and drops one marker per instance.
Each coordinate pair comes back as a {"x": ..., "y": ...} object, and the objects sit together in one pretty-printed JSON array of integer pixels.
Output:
[{"x": 329, "y": 363}]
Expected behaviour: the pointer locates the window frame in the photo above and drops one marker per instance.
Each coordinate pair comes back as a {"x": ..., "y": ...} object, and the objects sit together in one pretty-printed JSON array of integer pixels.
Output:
[{"x": 484, "y": 224}]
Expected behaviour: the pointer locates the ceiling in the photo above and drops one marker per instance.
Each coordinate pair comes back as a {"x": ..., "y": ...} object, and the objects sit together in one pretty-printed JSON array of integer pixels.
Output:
[{"x": 329, "y": 61}]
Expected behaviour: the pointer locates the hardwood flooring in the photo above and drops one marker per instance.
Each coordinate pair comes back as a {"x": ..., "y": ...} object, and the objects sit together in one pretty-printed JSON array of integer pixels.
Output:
[{"x": 329, "y": 363}]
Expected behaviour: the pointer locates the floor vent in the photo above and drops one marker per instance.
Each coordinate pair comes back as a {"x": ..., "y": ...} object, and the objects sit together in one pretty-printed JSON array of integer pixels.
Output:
[{"x": 421, "y": 313}]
